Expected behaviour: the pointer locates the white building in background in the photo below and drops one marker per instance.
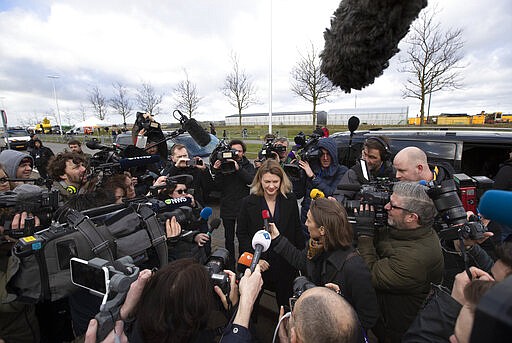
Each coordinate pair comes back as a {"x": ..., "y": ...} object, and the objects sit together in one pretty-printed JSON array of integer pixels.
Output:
[
  {"x": 278, "y": 118},
  {"x": 370, "y": 116}
]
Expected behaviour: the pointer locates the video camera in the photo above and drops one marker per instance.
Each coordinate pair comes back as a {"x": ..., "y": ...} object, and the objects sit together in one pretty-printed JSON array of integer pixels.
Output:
[
  {"x": 270, "y": 149},
  {"x": 454, "y": 223},
  {"x": 41, "y": 204},
  {"x": 307, "y": 149},
  {"x": 145, "y": 121},
  {"x": 224, "y": 153},
  {"x": 375, "y": 193}
]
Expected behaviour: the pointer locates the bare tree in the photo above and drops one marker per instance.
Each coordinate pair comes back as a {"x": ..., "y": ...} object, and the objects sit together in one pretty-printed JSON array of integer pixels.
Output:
[
  {"x": 147, "y": 99},
  {"x": 83, "y": 111},
  {"x": 239, "y": 89},
  {"x": 432, "y": 59},
  {"x": 186, "y": 96},
  {"x": 121, "y": 101},
  {"x": 308, "y": 81},
  {"x": 99, "y": 102}
]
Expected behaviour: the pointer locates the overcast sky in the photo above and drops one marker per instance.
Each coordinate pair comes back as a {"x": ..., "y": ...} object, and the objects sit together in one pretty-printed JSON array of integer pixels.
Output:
[{"x": 91, "y": 43}]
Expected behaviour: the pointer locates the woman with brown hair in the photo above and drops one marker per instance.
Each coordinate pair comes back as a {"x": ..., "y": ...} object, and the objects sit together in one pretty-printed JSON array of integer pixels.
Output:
[
  {"x": 330, "y": 258},
  {"x": 271, "y": 191}
]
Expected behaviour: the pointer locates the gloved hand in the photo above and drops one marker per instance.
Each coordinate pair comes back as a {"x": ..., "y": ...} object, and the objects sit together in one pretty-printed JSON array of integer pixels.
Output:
[{"x": 365, "y": 221}]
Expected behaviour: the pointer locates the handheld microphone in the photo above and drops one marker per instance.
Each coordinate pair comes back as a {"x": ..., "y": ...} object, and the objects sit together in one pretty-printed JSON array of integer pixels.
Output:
[
  {"x": 260, "y": 243},
  {"x": 206, "y": 213},
  {"x": 95, "y": 145},
  {"x": 265, "y": 214},
  {"x": 244, "y": 262},
  {"x": 495, "y": 205},
  {"x": 194, "y": 129},
  {"x": 214, "y": 225},
  {"x": 130, "y": 162},
  {"x": 316, "y": 193}
]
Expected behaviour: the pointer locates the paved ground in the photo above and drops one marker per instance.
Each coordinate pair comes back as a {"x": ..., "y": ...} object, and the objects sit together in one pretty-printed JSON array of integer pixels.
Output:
[{"x": 268, "y": 315}]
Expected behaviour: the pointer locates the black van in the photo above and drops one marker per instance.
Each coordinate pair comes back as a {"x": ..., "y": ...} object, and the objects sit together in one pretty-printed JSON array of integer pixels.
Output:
[{"x": 474, "y": 152}]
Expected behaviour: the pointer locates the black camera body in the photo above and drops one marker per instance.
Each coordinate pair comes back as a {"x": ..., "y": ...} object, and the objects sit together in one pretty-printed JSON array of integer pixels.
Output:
[
  {"x": 146, "y": 122},
  {"x": 454, "y": 223},
  {"x": 269, "y": 149},
  {"x": 215, "y": 266},
  {"x": 224, "y": 153},
  {"x": 309, "y": 150}
]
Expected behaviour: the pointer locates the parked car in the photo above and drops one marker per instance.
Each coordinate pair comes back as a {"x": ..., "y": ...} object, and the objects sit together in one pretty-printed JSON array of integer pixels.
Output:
[
  {"x": 476, "y": 152},
  {"x": 124, "y": 139},
  {"x": 18, "y": 138}
]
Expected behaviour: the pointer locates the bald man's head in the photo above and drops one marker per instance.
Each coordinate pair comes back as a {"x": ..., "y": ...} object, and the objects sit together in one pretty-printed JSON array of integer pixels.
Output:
[
  {"x": 411, "y": 164},
  {"x": 321, "y": 315}
]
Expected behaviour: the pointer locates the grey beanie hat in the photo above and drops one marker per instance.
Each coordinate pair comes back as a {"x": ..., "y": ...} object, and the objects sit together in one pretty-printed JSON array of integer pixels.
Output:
[{"x": 11, "y": 160}]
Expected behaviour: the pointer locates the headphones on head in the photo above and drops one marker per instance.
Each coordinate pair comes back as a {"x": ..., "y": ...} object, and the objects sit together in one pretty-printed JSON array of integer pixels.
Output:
[
  {"x": 71, "y": 189},
  {"x": 387, "y": 151}
]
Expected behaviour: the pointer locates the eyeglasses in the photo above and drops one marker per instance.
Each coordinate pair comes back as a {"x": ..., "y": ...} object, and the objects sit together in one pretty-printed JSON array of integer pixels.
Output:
[
  {"x": 398, "y": 207},
  {"x": 181, "y": 191}
]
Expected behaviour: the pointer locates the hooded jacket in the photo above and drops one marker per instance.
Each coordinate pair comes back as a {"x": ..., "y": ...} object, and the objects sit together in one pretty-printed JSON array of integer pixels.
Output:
[
  {"x": 325, "y": 179},
  {"x": 11, "y": 160}
]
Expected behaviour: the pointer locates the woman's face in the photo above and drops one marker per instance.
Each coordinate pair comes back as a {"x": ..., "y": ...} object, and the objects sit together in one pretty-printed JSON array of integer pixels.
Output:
[
  {"x": 314, "y": 230},
  {"x": 270, "y": 183},
  {"x": 4, "y": 186}
]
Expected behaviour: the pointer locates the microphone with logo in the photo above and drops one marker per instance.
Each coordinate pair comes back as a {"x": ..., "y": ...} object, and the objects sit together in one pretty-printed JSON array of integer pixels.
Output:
[
  {"x": 244, "y": 262},
  {"x": 260, "y": 243}
]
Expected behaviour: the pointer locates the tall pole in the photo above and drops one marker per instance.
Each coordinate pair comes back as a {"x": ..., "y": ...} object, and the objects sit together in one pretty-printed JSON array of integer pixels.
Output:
[
  {"x": 270, "y": 76},
  {"x": 53, "y": 77}
]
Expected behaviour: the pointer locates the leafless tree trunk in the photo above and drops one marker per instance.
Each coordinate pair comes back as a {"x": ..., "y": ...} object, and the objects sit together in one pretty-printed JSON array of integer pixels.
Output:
[
  {"x": 147, "y": 99},
  {"x": 309, "y": 82},
  {"x": 99, "y": 102},
  {"x": 186, "y": 96},
  {"x": 239, "y": 88},
  {"x": 83, "y": 111},
  {"x": 432, "y": 59},
  {"x": 121, "y": 101}
]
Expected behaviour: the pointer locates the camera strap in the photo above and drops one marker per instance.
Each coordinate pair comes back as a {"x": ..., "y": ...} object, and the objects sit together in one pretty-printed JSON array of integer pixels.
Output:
[{"x": 158, "y": 238}]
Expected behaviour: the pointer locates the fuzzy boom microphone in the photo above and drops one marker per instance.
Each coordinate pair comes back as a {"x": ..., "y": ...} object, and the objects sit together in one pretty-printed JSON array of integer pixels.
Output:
[{"x": 364, "y": 35}]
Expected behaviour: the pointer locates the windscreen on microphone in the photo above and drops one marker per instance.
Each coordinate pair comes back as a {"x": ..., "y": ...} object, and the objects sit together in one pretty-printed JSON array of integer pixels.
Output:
[
  {"x": 196, "y": 131},
  {"x": 129, "y": 162},
  {"x": 214, "y": 224},
  {"x": 363, "y": 36},
  {"x": 353, "y": 123},
  {"x": 206, "y": 213},
  {"x": 316, "y": 193},
  {"x": 495, "y": 205}
]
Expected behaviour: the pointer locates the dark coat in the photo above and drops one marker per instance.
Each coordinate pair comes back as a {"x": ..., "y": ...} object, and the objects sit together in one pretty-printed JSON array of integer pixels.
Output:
[
  {"x": 234, "y": 187},
  {"x": 202, "y": 182},
  {"x": 503, "y": 179},
  {"x": 347, "y": 270},
  {"x": 280, "y": 275},
  {"x": 403, "y": 265}
]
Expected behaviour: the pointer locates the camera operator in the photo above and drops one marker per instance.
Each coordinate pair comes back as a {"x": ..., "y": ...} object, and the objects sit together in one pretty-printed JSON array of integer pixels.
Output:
[
  {"x": 323, "y": 174},
  {"x": 233, "y": 188},
  {"x": 411, "y": 164},
  {"x": 376, "y": 153},
  {"x": 330, "y": 258},
  {"x": 320, "y": 315},
  {"x": 69, "y": 171},
  {"x": 182, "y": 164},
  {"x": 404, "y": 257},
  {"x": 175, "y": 303}
]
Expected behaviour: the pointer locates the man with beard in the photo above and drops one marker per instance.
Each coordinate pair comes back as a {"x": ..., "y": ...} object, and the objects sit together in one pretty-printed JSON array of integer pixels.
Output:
[
  {"x": 69, "y": 174},
  {"x": 404, "y": 257}
]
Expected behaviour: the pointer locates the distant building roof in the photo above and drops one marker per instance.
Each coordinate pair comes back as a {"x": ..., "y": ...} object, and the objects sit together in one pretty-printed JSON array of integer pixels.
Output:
[
  {"x": 380, "y": 110},
  {"x": 296, "y": 113}
]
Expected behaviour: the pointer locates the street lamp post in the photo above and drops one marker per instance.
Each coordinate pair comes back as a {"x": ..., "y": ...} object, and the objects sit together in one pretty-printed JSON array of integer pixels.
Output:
[{"x": 53, "y": 77}]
